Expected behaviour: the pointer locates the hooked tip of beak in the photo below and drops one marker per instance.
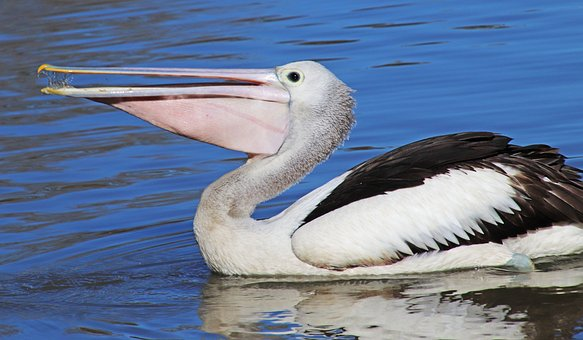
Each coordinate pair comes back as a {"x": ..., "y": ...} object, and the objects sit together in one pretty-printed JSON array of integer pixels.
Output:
[
  {"x": 39, "y": 70},
  {"x": 42, "y": 68},
  {"x": 48, "y": 67}
]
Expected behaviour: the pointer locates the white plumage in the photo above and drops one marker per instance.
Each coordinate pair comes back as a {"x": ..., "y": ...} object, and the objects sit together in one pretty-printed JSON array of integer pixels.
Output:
[
  {"x": 445, "y": 207},
  {"x": 457, "y": 201}
]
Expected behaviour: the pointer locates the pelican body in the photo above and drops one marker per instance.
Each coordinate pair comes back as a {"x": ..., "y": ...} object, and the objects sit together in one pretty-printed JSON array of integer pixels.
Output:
[{"x": 457, "y": 201}]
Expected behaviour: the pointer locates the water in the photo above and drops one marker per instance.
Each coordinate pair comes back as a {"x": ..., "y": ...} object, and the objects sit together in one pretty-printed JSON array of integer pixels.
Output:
[{"x": 96, "y": 206}]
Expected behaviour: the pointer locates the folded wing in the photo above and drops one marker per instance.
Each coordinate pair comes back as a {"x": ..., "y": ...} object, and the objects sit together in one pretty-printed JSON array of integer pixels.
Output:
[{"x": 437, "y": 194}]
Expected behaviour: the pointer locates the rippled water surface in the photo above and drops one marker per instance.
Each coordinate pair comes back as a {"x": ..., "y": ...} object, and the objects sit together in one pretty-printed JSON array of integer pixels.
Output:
[{"x": 96, "y": 206}]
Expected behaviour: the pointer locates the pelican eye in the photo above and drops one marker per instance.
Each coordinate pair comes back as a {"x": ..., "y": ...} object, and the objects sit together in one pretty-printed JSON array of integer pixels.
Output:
[{"x": 294, "y": 76}]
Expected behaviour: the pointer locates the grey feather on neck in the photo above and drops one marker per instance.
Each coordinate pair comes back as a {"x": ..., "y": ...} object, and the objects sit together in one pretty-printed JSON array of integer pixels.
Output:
[{"x": 315, "y": 132}]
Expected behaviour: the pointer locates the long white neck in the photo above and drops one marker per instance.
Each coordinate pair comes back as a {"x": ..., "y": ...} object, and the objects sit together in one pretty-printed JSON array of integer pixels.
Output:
[
  {"x": 236, "y": 194},
  {"x": 225, "y": 208}
]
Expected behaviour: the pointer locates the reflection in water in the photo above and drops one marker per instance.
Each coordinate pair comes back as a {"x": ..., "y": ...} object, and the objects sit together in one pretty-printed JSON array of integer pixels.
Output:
[{"x": 462, "y": 305}]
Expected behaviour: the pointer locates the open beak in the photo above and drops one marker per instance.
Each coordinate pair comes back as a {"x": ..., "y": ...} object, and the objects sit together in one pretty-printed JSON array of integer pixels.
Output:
[{"x": 248, "y": 111}]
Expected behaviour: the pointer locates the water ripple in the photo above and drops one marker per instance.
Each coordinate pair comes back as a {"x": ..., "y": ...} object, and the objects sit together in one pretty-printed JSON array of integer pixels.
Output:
[
  {"x": 388, "y": 25},
  {"x": 326, "y": 42},
  {"x": 482, "y": 27},
  {"x": 401, "y": 63}
]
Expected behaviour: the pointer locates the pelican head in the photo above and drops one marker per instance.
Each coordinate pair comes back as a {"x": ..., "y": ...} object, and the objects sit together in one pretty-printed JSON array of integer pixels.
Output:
[
  {"x": 482, "y": 199},
  {"x": 250, "y": 110}
]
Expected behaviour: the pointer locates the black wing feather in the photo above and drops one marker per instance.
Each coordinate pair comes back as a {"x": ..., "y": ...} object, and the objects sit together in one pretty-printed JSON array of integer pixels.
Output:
[
  {"x": 409, "y": 166},
  {"x": 549, "y": 192}
]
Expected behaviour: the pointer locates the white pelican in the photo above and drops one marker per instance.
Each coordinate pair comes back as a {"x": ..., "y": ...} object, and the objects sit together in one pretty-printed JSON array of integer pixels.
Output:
[{"x": 463, "y": 200}]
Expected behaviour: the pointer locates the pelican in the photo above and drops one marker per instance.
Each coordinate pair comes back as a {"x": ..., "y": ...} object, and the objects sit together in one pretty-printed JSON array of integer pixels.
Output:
[{"x": 463, "y": 200}]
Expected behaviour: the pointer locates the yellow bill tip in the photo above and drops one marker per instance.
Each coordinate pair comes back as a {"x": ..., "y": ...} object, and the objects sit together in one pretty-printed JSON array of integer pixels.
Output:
[
  {"x": 47, "y": 90},
  {"x": 52, "y": 90},
  {"x": 43, "y": 67},
  {"x": 53, "y": 68}
]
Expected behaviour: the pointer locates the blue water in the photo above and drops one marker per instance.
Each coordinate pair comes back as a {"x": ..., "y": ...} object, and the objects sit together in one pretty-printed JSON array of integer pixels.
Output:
[{"x": 96, "y": 206}]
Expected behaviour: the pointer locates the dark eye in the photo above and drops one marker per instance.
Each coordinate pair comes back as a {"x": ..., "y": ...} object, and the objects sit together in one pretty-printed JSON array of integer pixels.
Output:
[{"x": 294, "y": 77}]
